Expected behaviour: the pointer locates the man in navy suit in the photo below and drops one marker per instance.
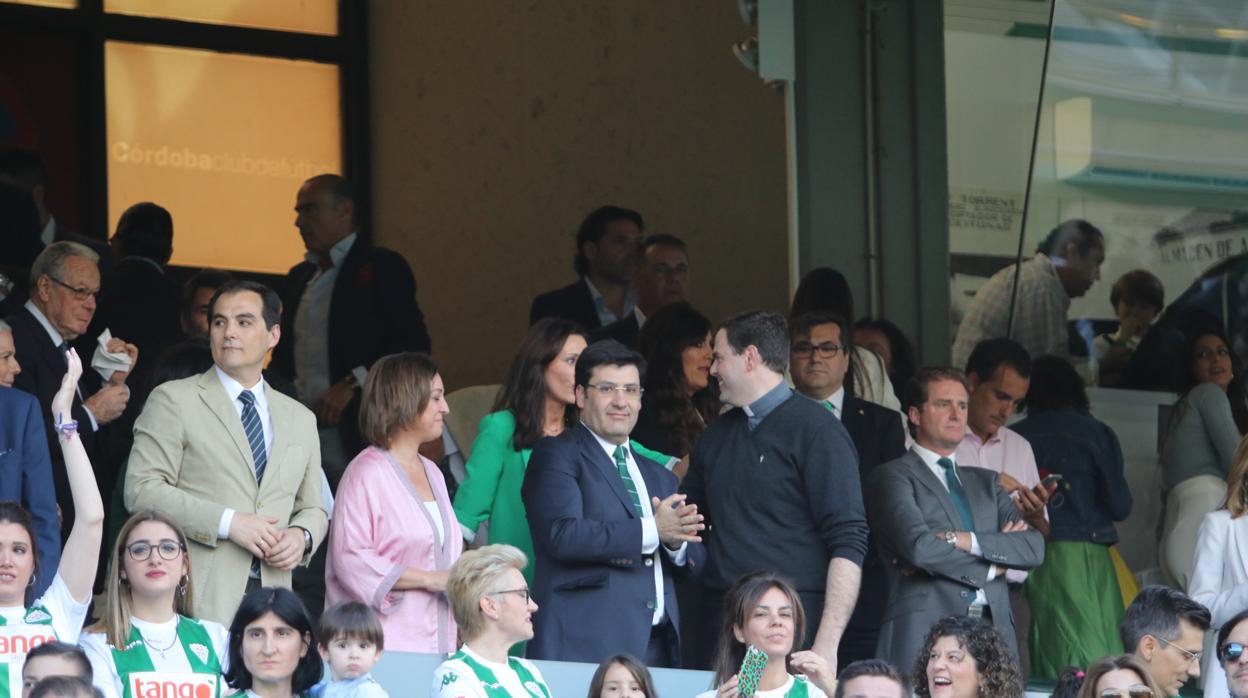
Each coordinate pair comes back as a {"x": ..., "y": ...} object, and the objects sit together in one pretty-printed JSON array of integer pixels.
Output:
[
  {"x": 609, "y": 529},
  {"x": 25, "y": 466}
]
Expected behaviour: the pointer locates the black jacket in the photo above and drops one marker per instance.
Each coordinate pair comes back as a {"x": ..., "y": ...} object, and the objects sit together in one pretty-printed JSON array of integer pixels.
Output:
[
  {"x": 372, "y": 313},
  {"x": 573, "y": 302}
]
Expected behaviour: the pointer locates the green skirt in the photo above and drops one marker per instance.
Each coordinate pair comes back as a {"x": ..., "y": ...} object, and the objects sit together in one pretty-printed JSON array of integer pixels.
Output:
[{"x": 1076, "y": 607}]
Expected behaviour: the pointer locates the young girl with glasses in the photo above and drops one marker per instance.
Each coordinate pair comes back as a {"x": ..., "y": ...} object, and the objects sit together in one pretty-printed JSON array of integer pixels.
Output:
[{"x": 148, "y": 635}]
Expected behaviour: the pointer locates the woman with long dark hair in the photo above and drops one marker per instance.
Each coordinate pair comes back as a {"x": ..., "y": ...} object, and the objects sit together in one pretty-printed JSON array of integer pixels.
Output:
[
  {"x": 679, "y": 400},
  {"x": 763, "y": 610},
  {"x": 539, "y": 399},
  {"x": 1205, "y": 427}
]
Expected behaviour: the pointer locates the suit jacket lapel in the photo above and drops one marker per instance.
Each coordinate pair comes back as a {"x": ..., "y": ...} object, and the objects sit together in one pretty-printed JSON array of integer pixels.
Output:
[
  {"x": 1239, "y": 537},
  {"x": 598, "y": 459},
  {"x": 280, "y": 416},
  {"x": 982, "y": 501},
  {"x": 213, "y": 394},
  {"x": 925, "y": 476}
]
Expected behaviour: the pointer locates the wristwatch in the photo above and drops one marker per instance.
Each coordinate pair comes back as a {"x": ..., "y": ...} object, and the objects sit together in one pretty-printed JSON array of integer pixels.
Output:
[
  {"x": 950, "y": 537},
  {"x": 307, "y": 541}
]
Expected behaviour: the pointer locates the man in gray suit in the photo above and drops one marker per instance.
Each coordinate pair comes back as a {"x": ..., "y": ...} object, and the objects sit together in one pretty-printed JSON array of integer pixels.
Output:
[{"x": 946, "y": 533}]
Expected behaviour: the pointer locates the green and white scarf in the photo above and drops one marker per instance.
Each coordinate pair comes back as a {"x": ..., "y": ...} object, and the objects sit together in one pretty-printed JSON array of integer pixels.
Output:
[{"x": 490, "y": 683}]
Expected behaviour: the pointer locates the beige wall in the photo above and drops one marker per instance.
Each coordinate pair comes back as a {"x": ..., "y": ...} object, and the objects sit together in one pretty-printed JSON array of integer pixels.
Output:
[{"x": 498, "y": 125}]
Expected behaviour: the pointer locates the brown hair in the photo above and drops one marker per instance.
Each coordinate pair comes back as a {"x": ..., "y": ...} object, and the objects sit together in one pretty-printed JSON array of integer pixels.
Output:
[
  {"x": 115, "y": 622},
  {"x": 351, "y": 620},
  {"x": 396, "y": 391},
  {"x": 998, "y": 673},
  {"x": 742, "y": 598},
  {"x": 635, "y": 667},
  {"x": 1107, "y": 664}
]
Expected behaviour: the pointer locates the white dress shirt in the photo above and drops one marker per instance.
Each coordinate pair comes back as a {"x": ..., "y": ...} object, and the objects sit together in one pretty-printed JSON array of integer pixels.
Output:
[
  {"x": 649, "y": 530},
  {"x": 233, "y": 389}
]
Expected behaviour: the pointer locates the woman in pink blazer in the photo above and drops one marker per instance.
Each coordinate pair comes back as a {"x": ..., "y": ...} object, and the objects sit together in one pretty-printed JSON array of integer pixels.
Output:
[{"x": 394, "y": 536}]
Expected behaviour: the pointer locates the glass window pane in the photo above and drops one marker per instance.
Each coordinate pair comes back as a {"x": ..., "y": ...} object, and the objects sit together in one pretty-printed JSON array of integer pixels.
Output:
[
  {"x": 44, "y": 3},
  {"x": 223, "y": 141},
  {"x": 311, "y": 16}
]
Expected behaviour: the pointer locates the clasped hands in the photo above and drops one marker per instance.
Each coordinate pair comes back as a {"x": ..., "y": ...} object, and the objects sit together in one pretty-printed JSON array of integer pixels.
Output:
[
  {"x": 280, "y": 547},
  {"x": 677, "y": 522}
]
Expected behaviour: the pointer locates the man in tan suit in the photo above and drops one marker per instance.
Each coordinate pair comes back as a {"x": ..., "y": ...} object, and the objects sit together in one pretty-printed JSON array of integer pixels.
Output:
[{"x": 235, "y": 463}]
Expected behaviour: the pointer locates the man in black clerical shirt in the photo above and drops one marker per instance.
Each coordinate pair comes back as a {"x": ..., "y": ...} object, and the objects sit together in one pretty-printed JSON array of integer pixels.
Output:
[{"x": 777, "y": 479}]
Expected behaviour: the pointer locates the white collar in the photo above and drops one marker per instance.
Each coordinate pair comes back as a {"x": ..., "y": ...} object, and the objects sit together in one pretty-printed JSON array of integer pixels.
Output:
[
  {"x": 607, "y": 446},
  {"x": 47, "y": 325},
  {"x": 233, "y": 388},
  {"x": 48, "y": 234},
  {"x": 930, "y": 457}
]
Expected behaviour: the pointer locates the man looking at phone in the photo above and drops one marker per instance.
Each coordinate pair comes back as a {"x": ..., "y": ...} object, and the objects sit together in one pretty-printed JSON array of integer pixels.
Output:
[
  {"x": 999, "y": 374},
  {"x": 947, "y": 532},
  {"x": 1232, "y": 652},
  {"x": 609, "y": 530}
]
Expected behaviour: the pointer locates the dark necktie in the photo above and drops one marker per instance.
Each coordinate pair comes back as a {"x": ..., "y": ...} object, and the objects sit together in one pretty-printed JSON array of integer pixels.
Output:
[
  {"x": 255, "y": 432},
  {"x": 255, "y": 438},
  {"x": 957, "y": 494},
  {"x": 621, "y": 462}
]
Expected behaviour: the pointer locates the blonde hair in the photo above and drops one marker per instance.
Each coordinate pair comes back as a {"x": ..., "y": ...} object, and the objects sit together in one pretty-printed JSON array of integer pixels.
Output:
[
  {"x": 476, "y": 574},
  {"x": 115, "y": 621},
  {"x": 396, "y": 392},
  {"x": 1237, "y": 481}
]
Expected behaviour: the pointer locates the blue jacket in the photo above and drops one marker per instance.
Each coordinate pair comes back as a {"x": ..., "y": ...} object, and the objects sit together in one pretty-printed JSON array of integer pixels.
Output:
[
  {"x": 26, "y": 476},
  {"x": 592, "y": 584},
  {"x": 1093, "y": 493}
]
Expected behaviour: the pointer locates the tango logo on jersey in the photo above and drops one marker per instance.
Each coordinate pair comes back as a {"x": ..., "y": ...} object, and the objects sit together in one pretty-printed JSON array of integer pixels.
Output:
[
  {"x": 167, "y": 684},
  {"x": 16, "y": 641}
]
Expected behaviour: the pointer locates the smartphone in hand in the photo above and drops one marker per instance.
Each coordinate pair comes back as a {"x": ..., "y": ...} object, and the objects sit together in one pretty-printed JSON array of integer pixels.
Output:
[{"x": 751, "y": 671}]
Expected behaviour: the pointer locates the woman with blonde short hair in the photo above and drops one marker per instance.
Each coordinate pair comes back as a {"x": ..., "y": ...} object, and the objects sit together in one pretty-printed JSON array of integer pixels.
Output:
[{"x": 494, "y": 611}]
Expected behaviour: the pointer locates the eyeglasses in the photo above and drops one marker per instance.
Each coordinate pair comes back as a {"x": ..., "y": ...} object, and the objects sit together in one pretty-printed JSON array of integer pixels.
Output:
[
  {"x": 631, "y": 391},
  {"x": 79, "y": 294},
  {"x": 1231, "y": 651},
  {"x": 827, "y": 350},
  {"x": 524, "y": 593},
  {"x": 1190, "y": 656},
  {"x": 1136, "y": 691},
  {"x": 142, "y": 550}
]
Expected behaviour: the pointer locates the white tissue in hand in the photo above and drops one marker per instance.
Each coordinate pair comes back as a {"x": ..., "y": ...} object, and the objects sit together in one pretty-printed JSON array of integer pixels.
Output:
[{"x": 107, "y": 362}]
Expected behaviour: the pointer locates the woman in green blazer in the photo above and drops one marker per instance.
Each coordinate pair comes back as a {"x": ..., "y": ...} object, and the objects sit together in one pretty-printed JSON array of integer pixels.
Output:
[{"x": 538, "y": 400}]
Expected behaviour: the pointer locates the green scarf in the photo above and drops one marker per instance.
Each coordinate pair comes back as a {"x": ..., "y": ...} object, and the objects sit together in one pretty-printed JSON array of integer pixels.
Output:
[
  {"x": 196, "y": 643},
  {"x": 490, "y": 683}
]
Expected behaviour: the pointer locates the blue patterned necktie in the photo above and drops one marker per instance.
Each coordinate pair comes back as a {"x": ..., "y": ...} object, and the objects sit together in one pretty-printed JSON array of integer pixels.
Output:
[
  {"x": 255, "y": 432},
  {"x": 957, "y": 494},
  {"x": 621, "y": 463}
]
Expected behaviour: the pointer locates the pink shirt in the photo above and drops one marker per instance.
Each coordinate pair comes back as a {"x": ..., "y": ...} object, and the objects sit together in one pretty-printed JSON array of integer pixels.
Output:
[
  {"x": 1007, "y": 452},
  {"x": 380, "y": 528}
]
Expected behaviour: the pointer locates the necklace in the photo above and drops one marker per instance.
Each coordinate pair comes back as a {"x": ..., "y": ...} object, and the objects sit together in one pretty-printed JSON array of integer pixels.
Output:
[{"x": 161, "y": 650}]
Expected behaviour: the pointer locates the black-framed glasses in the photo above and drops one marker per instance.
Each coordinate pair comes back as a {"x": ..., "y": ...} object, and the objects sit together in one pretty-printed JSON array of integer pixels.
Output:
[
  {"x": 524, "y": 593},
  {"x": 167, "y": 549},
  {"x": 1190, "y": 656},
  {"x": 1231, "y": 651},
  {"x": 1139, "y": 690},
  {"x": 79, "y": 294},
  {"x": 827, "y": 350},
  {"x": 631, "y": 390}
]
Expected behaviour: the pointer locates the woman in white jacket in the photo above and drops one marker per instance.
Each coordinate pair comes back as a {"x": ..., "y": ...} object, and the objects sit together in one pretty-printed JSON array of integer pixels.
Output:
[{"x": 1220, "y": 574}]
